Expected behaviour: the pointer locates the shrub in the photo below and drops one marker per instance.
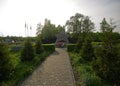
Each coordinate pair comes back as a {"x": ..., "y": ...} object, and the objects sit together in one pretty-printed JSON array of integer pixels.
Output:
[
  {"x": 106, "y": 64},
  {"x": 87, "y": 51},
  {"x": 79, "y": 44},
  {"x": 71, "y": 47},
  {"x": 27, "y": 53},
  {"x": 107, "y": 61},
  {"x": 38, "y": 46},
  {"x": 49, "y": 47},
  {"x": 84, "y": 73},
  {"x": 92, "y": 80},
  {"x": 5, "y": 63},
  {"x": 76, "y": 59}
]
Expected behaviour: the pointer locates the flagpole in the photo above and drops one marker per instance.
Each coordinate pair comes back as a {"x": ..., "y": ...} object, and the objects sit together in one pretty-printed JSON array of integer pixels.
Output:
[
  {"x": 25, "y": 29},
  {"x": 30, "y": 31}
]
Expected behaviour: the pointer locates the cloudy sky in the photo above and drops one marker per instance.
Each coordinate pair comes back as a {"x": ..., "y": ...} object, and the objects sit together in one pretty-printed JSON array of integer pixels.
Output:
[{"x": 14, "y": 13}]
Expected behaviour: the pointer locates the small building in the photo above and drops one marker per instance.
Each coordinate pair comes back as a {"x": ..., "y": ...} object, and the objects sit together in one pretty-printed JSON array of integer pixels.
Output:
[{"x": 62, "y": 39}]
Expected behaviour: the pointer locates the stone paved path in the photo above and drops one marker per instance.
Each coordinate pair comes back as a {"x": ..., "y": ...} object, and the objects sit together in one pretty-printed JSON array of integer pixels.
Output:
[{"x": 55, "y": 71}]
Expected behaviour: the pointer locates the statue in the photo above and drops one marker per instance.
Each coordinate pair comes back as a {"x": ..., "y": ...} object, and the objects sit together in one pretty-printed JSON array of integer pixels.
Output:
[{"x": 62, "y": 39}]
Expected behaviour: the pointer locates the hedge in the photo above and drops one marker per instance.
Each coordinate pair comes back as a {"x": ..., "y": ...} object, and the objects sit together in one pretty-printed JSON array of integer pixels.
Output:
[
  {"x": 16, "y": 48},
  {"x": 49, "y": 47},
  {"x": 97, "y": 43},
  {"x": 71, "y": 47}
]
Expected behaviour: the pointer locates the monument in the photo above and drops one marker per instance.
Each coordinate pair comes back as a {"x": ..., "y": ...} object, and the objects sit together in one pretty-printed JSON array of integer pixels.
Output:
[{"x": 62, "y": 39}]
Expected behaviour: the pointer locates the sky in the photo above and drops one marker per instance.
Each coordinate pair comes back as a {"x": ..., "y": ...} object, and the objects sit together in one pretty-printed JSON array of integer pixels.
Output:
[{"x": 14, "y": 13}]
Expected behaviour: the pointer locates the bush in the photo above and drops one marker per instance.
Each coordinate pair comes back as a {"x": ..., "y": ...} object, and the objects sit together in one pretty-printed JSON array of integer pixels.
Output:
[
  {"x": 38, "y": 46},
  {"x": 107, "y": 61},
  {"x": 27, "y": 53},
  {"x": 71, "y": 47},
  {"x": 76, "y": 59},
  {"x": 106, "y": 64},
  {"x": 49, "y": 47},
  {"x": 84, "y": 73},
  {"x": 87, "y": 51},
  {"x": 5, "y": 63},
  {"x": 79, "y": 44}
]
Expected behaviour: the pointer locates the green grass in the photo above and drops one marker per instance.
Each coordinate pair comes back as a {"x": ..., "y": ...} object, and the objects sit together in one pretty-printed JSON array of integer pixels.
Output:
[{"x": 85, "y": 74}]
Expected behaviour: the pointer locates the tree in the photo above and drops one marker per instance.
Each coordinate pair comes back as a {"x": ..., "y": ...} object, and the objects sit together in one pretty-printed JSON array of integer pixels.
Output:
[
  {"x": 5, "y": 63},
  {"x": 88, "y": 25},
  {"x": 49, "y": 32},
  {"x": 27, "y": 53},
  {"x": 59, "y": 28},
  {"x": 74, "y": 25},
  {"x": 107, "y": 27},
  {"x": 107, "y": 61},
  {"x": 78, "y": 26},
  {"x": 39, "y": 29}
]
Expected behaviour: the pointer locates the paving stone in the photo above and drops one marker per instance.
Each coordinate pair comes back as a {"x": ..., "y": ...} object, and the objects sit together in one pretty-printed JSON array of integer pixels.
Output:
[{"x": 56, "y": 70}]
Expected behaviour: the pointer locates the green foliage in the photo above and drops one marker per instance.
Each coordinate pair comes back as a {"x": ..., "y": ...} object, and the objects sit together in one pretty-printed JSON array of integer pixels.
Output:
[
  {"x": 87, "y": 25},
  {"x": 27, "y": 53},
  {"x": 76, "y": 59},
  {"x": 38, "y": 46},
  {"x": 39, "y": 29},
  {"x": 59, "y": 28},
  {"x": 79, "y": 44},
  {"x": 106, "y": 64},
  {"x": 49, "y": 47},
  {"x": 84, "y": 73},
  {"x": 107, "y": 61},
  {"x": 107, "y": 27},
  {"x": 71, "y": 47},
  {"x": 96, "y": 36},
  {"x": 5, "y": 63},
  {"x": 21, "y": 69},
  {"x": 78, "y": 24},
  {"x": 87, "y": 51},
  {"x": 48, "y": 31},
  {"x": 87, "y": 76}
]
